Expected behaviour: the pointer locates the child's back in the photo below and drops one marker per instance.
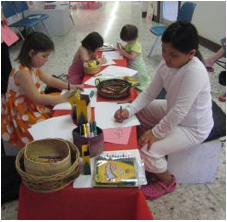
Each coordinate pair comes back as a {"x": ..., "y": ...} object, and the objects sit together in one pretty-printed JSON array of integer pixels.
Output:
[
  {"x": 76, "y": 70},
  {"x": 133, "y": 52},
  {"x": 138, "y": 64},
  {"x": 86, "y": 52}
]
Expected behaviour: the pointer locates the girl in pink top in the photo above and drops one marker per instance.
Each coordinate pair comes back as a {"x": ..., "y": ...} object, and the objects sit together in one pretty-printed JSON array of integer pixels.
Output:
[{"x": 89, "y": 45}]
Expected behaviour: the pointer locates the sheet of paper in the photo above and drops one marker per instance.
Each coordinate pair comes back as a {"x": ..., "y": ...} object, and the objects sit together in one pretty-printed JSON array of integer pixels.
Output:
[
  {"x": 118, "y": 135},
  {"x": 117, "y": 71},
  {"x": 67, "y": 106},
  {"x": 91, "y": 81},
  {"x": 112, "y": 55},
  {"x": 85, "y": 181},
  {"x": 104, "y": 116},
  {"x": 8, "y": 36},
  {"x": 56, "y": 127},
  {"x": 108, "y": 62}
]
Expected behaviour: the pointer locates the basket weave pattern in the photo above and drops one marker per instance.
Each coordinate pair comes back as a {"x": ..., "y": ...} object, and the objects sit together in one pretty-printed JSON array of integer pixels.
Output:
[{"x": 54, "y": 182}]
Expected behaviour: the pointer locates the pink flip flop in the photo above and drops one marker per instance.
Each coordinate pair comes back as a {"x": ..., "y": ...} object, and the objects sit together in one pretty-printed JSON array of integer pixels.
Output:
[
  {"x": 151, "y": 193},
  {"x": 222, "y": 98},
  {"x": 209, "y": 69}
]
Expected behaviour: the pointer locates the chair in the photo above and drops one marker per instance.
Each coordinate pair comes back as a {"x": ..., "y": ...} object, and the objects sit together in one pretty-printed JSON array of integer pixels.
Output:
[
  {"x": 22, "y": 7},
  {"x": 185, "y": 14},
  {"x": 9, "y": 11}
]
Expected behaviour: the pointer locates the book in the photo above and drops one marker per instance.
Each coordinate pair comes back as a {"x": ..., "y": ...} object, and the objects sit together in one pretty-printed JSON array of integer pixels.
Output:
[{"x": 115, "y": 171}]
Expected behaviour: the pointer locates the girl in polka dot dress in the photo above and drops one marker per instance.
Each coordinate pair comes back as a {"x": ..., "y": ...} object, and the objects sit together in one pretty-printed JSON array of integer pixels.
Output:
[{"x": 24, "y": 103}]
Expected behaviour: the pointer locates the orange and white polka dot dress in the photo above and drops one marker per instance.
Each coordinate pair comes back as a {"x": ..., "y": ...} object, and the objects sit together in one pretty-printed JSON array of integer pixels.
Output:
[{"x": 18, "y": 112}]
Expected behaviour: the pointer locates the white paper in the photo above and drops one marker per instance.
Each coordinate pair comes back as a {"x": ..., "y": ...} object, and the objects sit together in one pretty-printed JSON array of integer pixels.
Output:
[
  {"x": 112, "y": 55},
  {"x": 117, "y": 71},
  {"x": 63, "y": 106},
  {"x": 85, "y": 181},
  {"x": 109, "y": 61},
  {"x": 56, "y": 127},
  {"x": 67, "y": 106},
  {"x": 91, "y": 81},
  {"x": 104, "y": 116}
]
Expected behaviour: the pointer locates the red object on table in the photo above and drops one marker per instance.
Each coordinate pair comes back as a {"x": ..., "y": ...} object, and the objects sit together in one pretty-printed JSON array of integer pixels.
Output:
[{"x": 86, "y": 203}]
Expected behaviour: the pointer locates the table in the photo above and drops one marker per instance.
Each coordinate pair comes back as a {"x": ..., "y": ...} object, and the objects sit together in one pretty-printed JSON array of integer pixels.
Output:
[
  {"x": 86, "y": 203},
  {"x": 58, "y": 23}
]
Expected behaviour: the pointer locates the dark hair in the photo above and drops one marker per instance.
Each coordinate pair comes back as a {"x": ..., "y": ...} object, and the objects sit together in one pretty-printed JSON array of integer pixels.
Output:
[
  {"x": 92, "y": 41},
  {"x": 35, "y": 41},
  {"x": 182, "y": 35},
  {"x": 129, "y": 33}
]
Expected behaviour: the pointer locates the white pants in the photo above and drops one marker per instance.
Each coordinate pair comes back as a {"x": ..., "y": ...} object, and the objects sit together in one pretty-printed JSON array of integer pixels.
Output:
[{"x": 179, "y": 139}]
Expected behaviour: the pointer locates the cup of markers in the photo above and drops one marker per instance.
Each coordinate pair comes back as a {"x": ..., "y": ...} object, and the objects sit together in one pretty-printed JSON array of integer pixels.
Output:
[{"x": 89, "y": 133}]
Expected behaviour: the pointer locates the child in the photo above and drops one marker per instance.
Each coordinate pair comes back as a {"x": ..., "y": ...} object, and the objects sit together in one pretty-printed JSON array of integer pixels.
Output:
[
  {"x": 5, "y": 61},
  {"x": 24, "y": 103},
  {"x": 181, "y": 121},
  {"x": 87, "y": 51},
  {"x": 133, "y": 52}
]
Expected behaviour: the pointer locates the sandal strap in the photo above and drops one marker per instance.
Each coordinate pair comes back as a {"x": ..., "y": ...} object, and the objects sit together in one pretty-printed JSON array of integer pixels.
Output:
[{"x": 170, "y": 187}]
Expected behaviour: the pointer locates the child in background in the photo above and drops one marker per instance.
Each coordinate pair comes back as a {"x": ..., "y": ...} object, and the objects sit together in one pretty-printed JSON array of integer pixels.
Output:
[
  {"x": 24, "y": 104},
  {"x": 133, "y": 52},
  {"x": 181, "y": 121},
  {"x": 87, "y": 51}
]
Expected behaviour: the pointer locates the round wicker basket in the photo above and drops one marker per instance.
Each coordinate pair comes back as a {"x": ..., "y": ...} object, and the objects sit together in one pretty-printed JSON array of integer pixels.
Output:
[
  {"x": 35, "y": 165},
  {"x": 92, "y": 70},
  {"x": 47, "y": 184}
]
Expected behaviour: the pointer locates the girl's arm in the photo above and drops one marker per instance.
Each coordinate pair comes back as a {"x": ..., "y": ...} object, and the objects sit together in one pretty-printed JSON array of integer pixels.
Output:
[
  {"x": 131, "y": 56},
  {"x": 84, "y": 55},
  {"x": 56, "y": 83},
  {"x": 24, "y": 79}
]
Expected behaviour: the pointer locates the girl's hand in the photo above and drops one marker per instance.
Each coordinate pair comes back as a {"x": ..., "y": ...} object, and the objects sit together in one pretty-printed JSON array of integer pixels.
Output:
[
  {"x": 121, "y": 115},
  {"x": 77, "y": 86},
  {"x": 147, "y": 138},
  {"x": 119, "y": 46},
  {"x": 102, "y": 60},
  {"x": 67, "y": 95},
  {"x": 120, "y": 50}
]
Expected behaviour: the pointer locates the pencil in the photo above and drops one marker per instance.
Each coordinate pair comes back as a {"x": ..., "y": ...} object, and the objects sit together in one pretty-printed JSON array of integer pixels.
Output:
[
  {"x": 68, "y": 86},
  {"x": 121, "y": 113}
]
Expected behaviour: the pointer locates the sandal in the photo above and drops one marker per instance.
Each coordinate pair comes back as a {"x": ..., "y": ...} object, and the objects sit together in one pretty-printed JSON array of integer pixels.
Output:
[
  {"x": 222, "y": 98},
  {"x": 151, "y": 193},
  {"x": 209, "y": 69}
]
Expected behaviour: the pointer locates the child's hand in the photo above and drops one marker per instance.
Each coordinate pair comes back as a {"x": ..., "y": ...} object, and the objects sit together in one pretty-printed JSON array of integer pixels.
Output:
[
  {"x": 121, "y": 115},
  {"x": 147, "y": 138},
  {"x": 77, "y": 86},
  {"x": 102, "y": 60},
  {"x": 119, "y": 46},
  {"x": 67, "y": 95}
]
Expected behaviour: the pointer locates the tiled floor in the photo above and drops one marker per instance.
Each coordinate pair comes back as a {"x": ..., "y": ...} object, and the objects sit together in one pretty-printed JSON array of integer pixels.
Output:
[{"x": 206, "y": 201}]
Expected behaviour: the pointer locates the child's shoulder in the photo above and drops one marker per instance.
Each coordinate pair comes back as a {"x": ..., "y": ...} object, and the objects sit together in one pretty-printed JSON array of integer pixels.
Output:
[{"x": 136, "y": 47}]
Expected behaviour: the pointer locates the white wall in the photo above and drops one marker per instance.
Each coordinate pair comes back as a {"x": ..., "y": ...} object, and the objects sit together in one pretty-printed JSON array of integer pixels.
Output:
[{"x": 209, "y": 18}]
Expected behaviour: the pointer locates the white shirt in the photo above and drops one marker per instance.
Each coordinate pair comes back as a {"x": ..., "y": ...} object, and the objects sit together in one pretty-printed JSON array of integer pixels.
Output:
[{"x": 188, "y": 98}]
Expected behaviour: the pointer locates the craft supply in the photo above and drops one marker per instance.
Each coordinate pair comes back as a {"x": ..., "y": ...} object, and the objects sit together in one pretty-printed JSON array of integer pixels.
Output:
[
  {"x": 92, "y": 93},
  {"x": 114, "y": 171},
  {"x": 94, "y": 128},
  {"x": 86, "y": 159},
  {"x": 121, "y": 113},
  {"x": 85, "y": 130},
  {"x": 68, "y": 86}
]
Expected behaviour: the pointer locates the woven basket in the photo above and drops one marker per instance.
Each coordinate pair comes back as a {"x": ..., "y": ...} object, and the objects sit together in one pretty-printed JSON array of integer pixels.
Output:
[
  {"x": 113, "y": 88},
  {"x": 92, "y": 70},
  {"x": 47, "y": 184},
  {"x": 46, "y": 147}
]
